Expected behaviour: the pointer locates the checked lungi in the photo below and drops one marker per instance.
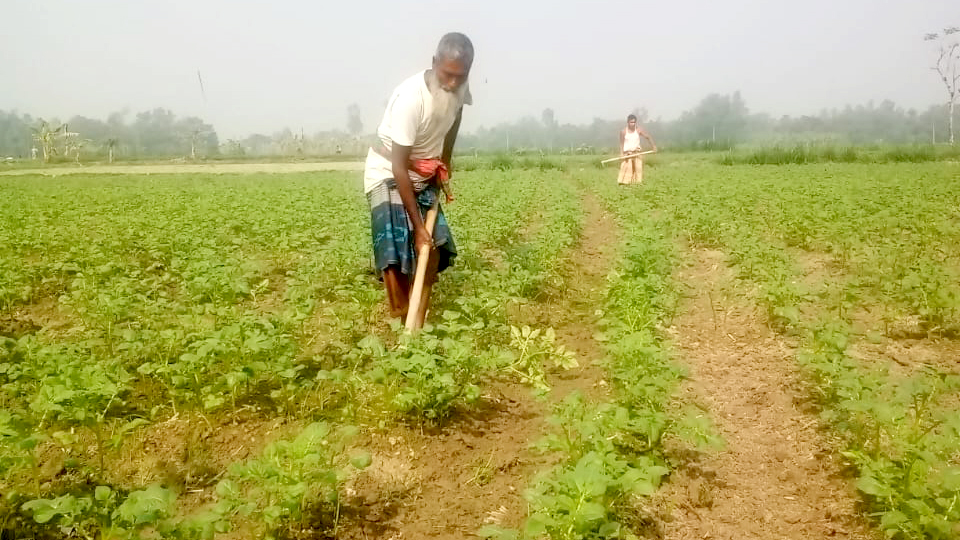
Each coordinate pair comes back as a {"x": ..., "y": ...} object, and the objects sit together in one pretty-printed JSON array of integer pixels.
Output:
[{"x": 392, "y": 231}]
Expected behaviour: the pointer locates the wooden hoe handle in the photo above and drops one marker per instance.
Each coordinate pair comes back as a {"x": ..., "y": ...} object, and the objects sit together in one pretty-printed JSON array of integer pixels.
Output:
[
  {"x": 628, "y": 156},
  {"x": 414, "y": 315}
]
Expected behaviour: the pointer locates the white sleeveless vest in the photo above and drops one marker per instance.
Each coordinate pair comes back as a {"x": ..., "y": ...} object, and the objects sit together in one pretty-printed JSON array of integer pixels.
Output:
[{"x": 631, "y": 141}]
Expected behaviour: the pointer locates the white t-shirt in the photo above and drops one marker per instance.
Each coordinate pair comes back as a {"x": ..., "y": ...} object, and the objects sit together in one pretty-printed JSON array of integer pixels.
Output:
[{"x": 409, "y": 120}]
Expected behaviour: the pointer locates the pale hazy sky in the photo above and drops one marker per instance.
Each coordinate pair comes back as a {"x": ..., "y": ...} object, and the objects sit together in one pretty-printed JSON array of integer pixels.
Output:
[{"x": 283, "y": 63}]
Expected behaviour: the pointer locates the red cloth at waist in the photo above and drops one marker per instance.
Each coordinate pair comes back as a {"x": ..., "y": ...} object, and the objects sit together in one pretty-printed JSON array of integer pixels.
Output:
[{"x": 428, "y": 168}]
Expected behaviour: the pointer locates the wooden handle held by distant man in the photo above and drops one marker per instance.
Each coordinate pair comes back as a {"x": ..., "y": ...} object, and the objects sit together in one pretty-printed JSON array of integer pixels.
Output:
[{"x": 628, "y": 156}]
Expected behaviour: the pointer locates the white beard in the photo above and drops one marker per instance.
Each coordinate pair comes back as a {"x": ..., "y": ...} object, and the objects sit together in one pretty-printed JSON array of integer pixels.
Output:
[{"x": 445, "y": 104}]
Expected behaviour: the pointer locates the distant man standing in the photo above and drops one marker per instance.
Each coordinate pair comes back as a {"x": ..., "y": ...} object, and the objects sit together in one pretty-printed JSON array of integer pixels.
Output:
[
  {"x": 631, "y": 169},
  {"x": 403, "y": 173}
]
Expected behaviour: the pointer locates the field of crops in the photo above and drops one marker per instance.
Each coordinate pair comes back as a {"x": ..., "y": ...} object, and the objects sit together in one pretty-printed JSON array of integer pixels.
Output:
[{"x": 209, "y": 356}]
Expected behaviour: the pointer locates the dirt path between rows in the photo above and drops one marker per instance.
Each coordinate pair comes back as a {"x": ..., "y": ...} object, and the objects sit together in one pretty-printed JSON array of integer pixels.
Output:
[
  {"x": 572, "y": 311},
  {"x": 448, "y": 483},
  {"x": 777, "y": 479}
]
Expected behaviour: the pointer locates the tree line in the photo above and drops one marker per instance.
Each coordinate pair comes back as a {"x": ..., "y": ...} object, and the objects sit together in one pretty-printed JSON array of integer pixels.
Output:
[
  {"x": 153, "y": 133},
  {"x": 160, "y": 134},
  {"x": 718, "y": 121},
  {"x": 722, "y": 121}
]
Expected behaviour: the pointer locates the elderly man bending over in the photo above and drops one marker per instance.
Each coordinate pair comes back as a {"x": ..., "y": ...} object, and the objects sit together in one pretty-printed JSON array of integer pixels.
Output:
[{"x": 403, "y": 173}]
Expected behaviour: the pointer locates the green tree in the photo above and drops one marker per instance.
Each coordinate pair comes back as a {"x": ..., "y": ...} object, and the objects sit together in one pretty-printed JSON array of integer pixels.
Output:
[
  {"x": 198, "y": 134},
  {"x": 15, "y": 134},
  {"x": 89, "y": 127},
  {"x": 717, "y": 118},
  {"x": 155, "y": 133}
]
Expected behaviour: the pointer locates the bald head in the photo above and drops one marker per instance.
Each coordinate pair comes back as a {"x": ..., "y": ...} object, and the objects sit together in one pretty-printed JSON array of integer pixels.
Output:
[{"x": 455, "y": 46}]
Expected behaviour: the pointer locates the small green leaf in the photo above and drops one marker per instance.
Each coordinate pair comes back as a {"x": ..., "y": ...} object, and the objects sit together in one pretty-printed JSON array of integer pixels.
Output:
[
  {"x": 871, "y": 486},
  {"x": 361, "y": 461},
  {"x": 102, "y": 493}
]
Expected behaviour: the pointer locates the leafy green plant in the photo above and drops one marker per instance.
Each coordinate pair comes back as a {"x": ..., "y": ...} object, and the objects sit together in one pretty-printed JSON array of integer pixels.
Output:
[
  {"x": 900, "y": 441},
  {"x": 609, "y": 454},
  {"x": 104, "y": 515},
  {"x": 535, "y": 348},
  {"x": 223, "y": 365},
  {"x": 275, "y": 489},
  {"x": 80, "y": 393},
  {"x": 575, "y": 502},
  {"x": 428, "y": 375}
]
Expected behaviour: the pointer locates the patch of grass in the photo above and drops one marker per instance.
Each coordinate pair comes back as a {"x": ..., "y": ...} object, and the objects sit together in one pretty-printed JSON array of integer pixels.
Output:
[
  {"x": 551, "y": 164},
  {"x": 801, "y": 154},
  {"x": 502, "y": 162},
  {"x": 483, "y": 471},
  {"x": 909, "y": 154}
]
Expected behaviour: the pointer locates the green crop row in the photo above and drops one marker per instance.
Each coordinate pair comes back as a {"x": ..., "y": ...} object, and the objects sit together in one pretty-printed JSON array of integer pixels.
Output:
[
  {"x": 845, "y": 255},
  {"x": 612, "y": 455}
]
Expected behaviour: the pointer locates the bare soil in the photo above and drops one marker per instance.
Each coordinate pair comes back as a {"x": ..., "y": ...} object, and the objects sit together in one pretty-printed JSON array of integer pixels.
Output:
[
  {"x": 42, "y": 314},
  {"x": 777, "y": 478},
  {"x": 188, "y": 452},
  {"x": 448, "y": 482},
  {"x": 574, "y": 311},
  {"x": 910, "y": 355}
]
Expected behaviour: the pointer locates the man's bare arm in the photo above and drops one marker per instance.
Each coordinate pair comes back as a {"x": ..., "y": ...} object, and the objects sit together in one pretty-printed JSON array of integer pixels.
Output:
[
  {"x": 451, "y": 139},
  {"x": 447, "y": 155},
  {"x": 622, "y": 132},
  {"x": 646, "y": 136},
  {"x": 399, "y": 161}
]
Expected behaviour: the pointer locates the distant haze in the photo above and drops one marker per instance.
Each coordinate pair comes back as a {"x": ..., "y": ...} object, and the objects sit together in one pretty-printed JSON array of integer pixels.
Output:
[{"x": 270, "y": 65}]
